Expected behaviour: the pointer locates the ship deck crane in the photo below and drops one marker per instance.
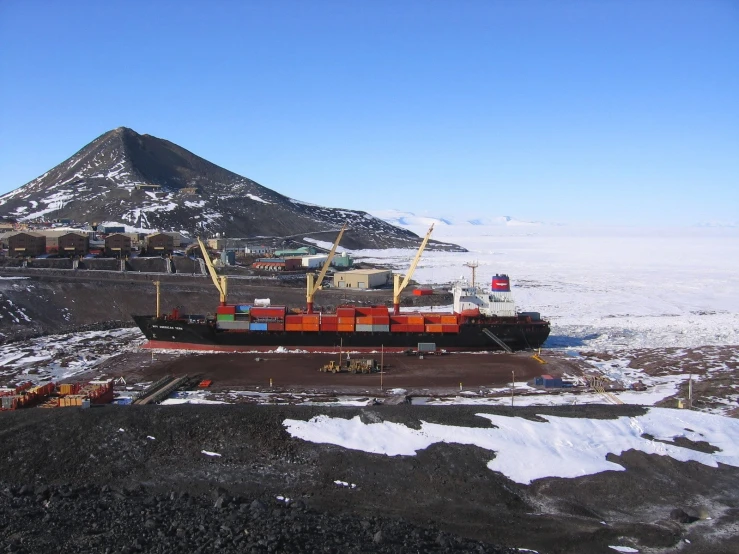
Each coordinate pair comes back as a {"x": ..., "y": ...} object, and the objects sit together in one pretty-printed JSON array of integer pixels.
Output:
[
  {"x": 220, "y": 282},
  {"x": 397, "y": 285},
  {"x": 313, "y": 283}
]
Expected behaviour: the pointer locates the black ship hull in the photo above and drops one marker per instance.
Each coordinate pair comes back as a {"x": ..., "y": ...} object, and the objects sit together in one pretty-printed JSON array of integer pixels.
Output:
[{"x": 516, "y": 333}]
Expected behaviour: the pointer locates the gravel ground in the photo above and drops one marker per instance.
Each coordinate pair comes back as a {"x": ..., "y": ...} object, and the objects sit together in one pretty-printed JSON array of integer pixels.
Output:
[{"x": 129, "y": 479}]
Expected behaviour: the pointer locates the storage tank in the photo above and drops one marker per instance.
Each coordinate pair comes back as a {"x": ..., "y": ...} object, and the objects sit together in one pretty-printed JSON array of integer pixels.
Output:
[{"x": 501, "y": 283}]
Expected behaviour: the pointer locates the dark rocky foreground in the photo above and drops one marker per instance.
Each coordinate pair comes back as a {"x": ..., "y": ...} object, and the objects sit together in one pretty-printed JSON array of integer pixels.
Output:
[{"x": 135, "y": 479}]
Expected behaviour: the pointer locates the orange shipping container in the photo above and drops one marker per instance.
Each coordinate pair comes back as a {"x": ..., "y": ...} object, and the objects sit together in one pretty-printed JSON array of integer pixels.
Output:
[
  {"x": 310, "y": 319},
  {"x": 364, "y": 320},
  {"x": 449, "y": 319},
  {"x": 293, "y": 326},
  {"x": 415, "y": 320},
  {"x": 346, "y": 327},
  {"x": 310, "y": 327},
  {"x": 346, "y": 320},
  {"x": 434, "y": 328}
]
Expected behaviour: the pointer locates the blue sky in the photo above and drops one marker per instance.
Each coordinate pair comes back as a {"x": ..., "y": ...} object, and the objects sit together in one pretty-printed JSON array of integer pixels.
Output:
[{"x": 609, "y": 111}]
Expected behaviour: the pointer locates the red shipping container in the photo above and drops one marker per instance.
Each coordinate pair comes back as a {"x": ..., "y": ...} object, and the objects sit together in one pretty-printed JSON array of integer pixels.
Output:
[
  {"x": 399, "y": 320},
  {"x": 379, "y": 310},
  {"x": 380, "y": 320},
  {"x": 417, "y": 328},
  {"x": 432, "y": 318},
  {"x": 226, "y": 310},
  {"x": 422, "y": 292},
  {"x": 329, "y": 319},
  {"x": 273, "y": 312},
  {"x": 275, "y": 326},
  {"x": 399, "y": 328},
  {"x": 294, "y": 319},
  {"x": 362, "y": 311},
  {"x": 345, "y": 312},
  {"x": 450, "y": 328},
  {"x": 329, "y": 327}
]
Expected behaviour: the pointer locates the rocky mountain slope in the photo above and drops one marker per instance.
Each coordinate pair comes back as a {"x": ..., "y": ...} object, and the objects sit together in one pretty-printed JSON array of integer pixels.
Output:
[{"x": 150, "y": 183}]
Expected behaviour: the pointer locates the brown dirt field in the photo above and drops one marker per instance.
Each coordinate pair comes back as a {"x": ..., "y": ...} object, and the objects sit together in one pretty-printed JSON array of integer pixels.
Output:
[{"x": 441, "y": 374}]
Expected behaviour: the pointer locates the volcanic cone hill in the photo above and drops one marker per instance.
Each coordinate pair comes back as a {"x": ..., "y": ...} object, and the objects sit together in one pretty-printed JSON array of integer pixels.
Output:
[{"x": 151, "y": 183}]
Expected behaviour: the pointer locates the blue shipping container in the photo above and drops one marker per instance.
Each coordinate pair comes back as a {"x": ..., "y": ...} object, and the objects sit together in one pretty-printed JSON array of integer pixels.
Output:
[
  {"x": 257, "y": 327},
  {"x": 243, "y": 308}
]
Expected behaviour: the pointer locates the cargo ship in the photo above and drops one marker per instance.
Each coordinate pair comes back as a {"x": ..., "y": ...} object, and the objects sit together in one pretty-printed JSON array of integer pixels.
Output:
[{"x": 482, "y": 319}]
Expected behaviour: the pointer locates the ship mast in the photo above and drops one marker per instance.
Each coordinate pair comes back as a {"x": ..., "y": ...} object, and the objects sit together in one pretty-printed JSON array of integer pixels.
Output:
[
  {"x": 473, "y": 266},
  {"x": 313, "y": 283},
  {"x": 397, "y": 285}
]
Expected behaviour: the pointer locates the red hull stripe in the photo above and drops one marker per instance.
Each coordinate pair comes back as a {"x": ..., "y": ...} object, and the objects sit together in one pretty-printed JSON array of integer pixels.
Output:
[{"x": 169, "y": 345}]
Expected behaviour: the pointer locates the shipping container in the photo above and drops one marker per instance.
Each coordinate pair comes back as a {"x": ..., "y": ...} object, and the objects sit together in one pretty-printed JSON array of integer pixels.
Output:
[
  {"x": 434, "y": 328},
  {"x": 398, "y": 320},
  {"x": 311, "y": 318},
  {"x": 380, "y": 328},
  {"x": 364, "y": 320},
  {"x": 449, "y": 320},
  {"x": 331, "y": 327},
  {"x": 399, "y": 328},
  {"x": 233, "y": 325},
  {"x": 345, "y": 327},
  {"x": 427, "y": 347},
  {"x": 450, "y": 328},
  {"x": 380, "y": 320},
  {"x": 415, "y": 320},
  {"x": 229, "y": 310},
  {"x": 345, "y": 312},
  {"x": 275, "y": 326},
  {"x": 431, "y": 318},
  {"x": 293, "y": 326},
  {"x": 225, "y": 317},
  {"x": 422, "y": 292},
  {"x": 271, "y": 312},
  {"x": 310, "y": 327},
  {"x": 294, "y": 319},
  {"x": 380, "y": 311},
  {"x": 346, "y": 320},
  {"x": 417, "y": 328},
  {"x": 243, "y": 308},
  {"x": 363, "y": 328},
  {"x": 329, "y": 319},
  {"x": 257, "y": 326}
]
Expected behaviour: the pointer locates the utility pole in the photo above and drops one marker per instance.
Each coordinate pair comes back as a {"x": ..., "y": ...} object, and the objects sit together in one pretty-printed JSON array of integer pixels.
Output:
[
  {"x": 513, "y": 382},
  {"x": 382, "y": 363},
  {"x": 156, "y": 284}
]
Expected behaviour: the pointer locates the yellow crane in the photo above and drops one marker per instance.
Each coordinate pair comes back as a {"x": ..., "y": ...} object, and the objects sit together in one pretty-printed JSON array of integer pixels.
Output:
[
  {"x": 220, "y": 282},
  {"x": 314, "y": 283},
  {"x": 397, "y": 285}
]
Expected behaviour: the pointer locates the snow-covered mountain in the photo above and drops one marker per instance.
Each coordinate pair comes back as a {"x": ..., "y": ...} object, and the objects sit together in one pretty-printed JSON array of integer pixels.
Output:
[
  {"x": 150, "y": 183},
  {"x": 411, "y": 220}
]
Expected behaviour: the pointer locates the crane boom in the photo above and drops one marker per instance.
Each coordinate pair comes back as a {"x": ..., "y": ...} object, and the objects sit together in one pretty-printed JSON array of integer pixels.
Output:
[
  {"x": 220, "y": 283},
  {"x": 313, "y": 286},
  {"x": 397, "y": 285}
]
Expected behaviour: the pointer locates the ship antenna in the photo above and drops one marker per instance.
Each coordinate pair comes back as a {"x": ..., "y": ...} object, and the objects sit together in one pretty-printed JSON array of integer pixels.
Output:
[{"x": 472, "y": 266}]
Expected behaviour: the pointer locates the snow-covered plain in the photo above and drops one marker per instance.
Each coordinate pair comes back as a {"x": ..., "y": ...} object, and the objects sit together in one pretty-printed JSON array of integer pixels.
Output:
[{"x": 601, "y": 287}]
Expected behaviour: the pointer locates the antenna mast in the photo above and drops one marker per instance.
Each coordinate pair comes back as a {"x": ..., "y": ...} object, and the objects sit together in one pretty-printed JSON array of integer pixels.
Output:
[{"x": 473, "y": 266}]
